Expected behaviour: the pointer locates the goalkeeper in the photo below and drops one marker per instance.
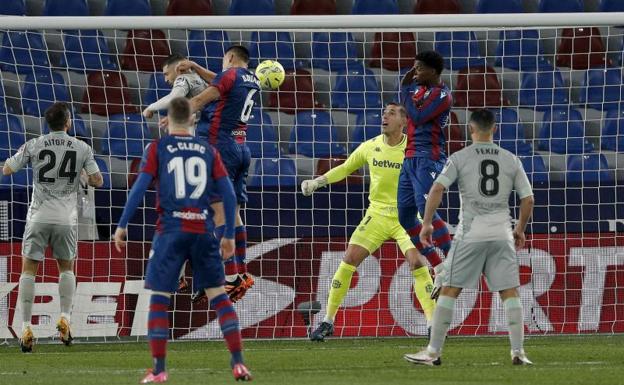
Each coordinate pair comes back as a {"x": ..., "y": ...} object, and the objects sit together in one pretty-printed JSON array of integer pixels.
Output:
[{"x": 384, "y": 156}]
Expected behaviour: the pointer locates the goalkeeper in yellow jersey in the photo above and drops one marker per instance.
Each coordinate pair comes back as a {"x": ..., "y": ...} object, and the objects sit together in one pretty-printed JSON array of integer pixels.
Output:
[{"x": 384, "y": 156}]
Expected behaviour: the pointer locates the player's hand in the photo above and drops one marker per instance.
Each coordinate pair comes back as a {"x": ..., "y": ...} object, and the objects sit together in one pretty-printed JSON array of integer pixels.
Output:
[
  {"x": 519, "y": 238},
  {"x": 227, "y": 248},
  {"x": 183, "y": 66},
  {"x": 426, "y": 234},
  {"x": 120, "y": 238},
  {"x": 309, "y": 186},
  {"x": 408, "y": 78},
  {"x": 147, "y": 113},
  {"x": 163, "y": 122}
]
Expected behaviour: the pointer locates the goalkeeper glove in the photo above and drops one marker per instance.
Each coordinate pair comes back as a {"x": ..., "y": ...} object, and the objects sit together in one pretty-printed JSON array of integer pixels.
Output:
[{"x": 311, "y": 185}]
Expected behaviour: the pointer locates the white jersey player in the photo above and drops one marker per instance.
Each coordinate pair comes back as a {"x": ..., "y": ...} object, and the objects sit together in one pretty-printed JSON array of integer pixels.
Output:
[
  {"x": 58, "y": 161},
  {"x": 485, "y": 242}
]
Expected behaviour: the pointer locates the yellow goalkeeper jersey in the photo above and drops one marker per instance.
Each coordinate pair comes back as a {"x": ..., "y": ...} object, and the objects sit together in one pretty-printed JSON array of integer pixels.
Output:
[{"x": 384, "y": 165}]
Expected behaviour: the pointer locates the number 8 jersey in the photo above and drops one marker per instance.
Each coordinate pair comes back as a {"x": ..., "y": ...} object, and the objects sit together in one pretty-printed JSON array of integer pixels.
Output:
[
  {"x": 185, "y": 169},
  {"x": 486, "y": 175}
]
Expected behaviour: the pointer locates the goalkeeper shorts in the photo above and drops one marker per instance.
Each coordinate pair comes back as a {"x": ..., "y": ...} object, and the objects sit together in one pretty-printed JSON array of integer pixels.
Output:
[{"x": 375, "y": 229}]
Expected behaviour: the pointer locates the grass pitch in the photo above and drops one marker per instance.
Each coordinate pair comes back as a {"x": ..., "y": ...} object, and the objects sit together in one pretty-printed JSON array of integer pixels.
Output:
[{"x": 480, "y": 361}]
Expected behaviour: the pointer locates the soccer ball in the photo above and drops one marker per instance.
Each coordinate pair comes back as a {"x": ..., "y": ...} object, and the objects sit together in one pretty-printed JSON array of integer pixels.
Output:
[{"x": 271, "y": 74}]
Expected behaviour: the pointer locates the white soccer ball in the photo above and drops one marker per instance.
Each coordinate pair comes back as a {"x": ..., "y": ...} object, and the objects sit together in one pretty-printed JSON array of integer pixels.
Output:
[{"x": 271, "y": 74}]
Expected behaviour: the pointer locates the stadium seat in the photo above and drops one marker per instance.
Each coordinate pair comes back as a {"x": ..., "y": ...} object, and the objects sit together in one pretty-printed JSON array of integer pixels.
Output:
[
  {"x": 127, "y": 136},
  {"x": 274, "y": 173},
  {"x": 296, "y": 93},
  {"x": 332, "y": 51},
  {"x": 146, "y": 50},
  {"x": 459, "y": 49},
  {"x": 497, "y": 6},
  {"x": 542, "y": 90},
  {"x": 561, "y": 6},
  {"x": 611, "y": 6},
  {"x": 253, "y": 7},
  {"x": 207, "y": 48},
  {"x": 314, "y": 136},
  {"x": 128, "y": 8},
  {"x": 612, "y": 137},
  {"x": 478, "y": 87},
  {"x": 355, "y": 90},
  {"x": 13, "y": 7},
  {"x": 158, "y": 88},
  {"x": 521, "y": 50},
  {"x": 581, "y": 48},
  {"x": 535, "y": 168},
  {"x": 367, "y": 126},
  {"x": 455, "y": 135},
  {"x": 21, "y": 179},
  {"x": 313, "y": 7},
  {"x": 189, "y": 8},
  {"x": 22, "y": 50},
  {"x": 602, "y": 88},
  {"x": 272, "y": 45},
  {"x": 12, "y": 135},
  {"x": 393, "y": 50},
  {"x": 41, "y": 89},
  {"x": 510, "y": 133},
  {"x": 325, "y": 164},
  {"x": 588, "y": 168},
  {"x": 86, "y": 50},
  {"x": 261, "y": 136},
  {"x": 437, "y": 7},
  {"x": 107, "y": 94},
  {"x": 563, "y": 132},
  {"x": 375, "y": 7},
  {"x": 66, "y": 8}
]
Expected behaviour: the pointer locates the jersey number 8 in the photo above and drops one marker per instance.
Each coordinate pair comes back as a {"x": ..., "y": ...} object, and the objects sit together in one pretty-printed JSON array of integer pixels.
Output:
[{"x": 488, "y": 184}]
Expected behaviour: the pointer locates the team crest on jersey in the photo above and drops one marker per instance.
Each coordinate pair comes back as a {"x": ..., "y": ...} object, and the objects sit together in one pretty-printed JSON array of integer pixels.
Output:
[
  {"x": 427, "y": 94},
  {"x": 442, "y": 94},
  {"x": 377, "y": 149}
]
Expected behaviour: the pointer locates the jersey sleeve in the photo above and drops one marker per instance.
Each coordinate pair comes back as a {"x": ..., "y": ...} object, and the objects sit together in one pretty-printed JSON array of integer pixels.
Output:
[
  {"x": 356, "y": 160},
  {"x": 90, "y": 165},
  {"x": 218, "y": 169},
  {"x": 435, "y": 104},
  {"x": 448, "y": 176},
  {"x": 149, "y": 163},
  {"x": 181, "y": 84},
  {"x": 21, "y": 158},
  {"x": 224, "y": 81},
  {"x": 521, "y": 181}
]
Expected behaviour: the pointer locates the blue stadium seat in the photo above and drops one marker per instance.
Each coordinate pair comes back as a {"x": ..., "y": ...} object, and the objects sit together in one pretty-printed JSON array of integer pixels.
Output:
[
  {"x": 41, "y": 89},
  {"x": 563, "y": 132},
  {"x": 367, "y": 126},
  {"x": 105, "y": 172},
  {"x": 510, "y": 133},
  {"x": 158, "y": 88},
  {"x": 128, "y": 8},
  {"x": 272, "y": 45},
  {"x": 261, "y": 135},
  {"x": 21, "y": 179},
  {"x": 535, "y": 168},
  {"x": 22, "y": 50},
  {"x": 521, "y": 51},
  {"x": 12, "y": 135},
  {"x": 375, "y": 7},
  {"x": 332, "y": 51},
  {"x": 87, "y": 50},
  {"x": 127, "y": 136},
  {"x": 13, "y": 7},
  {"x": 602, "y": 88},
  {"x": 356, "y": 90},
  {"x": 274, "y": 173},
  {"x": 207, "y": 48},
  {"x": 497, "y": 6},
  {"x": 592, "y": 168},
  {"x": 611, "y": 6},
  {"x": 459, "y": 49},
  {"x": 252, "y": 7},
  {"x": 612, "y": 137},
  {"x": 561, "y": 6},
  {"x": 314, "y": 136},
  {"x": 542, "y": 90},
  {"x": 3, "y": 107},
  {"x": 66, "y": 8}
]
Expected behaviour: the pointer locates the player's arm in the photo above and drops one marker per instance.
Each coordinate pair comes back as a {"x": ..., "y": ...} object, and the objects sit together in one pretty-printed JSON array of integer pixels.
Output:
[
  {"x": 356, "y": 160},
  {"x": 219, "y": 87},
  {"x": 226, "y": 191},
  {"x": 94, "y": 176},
  {"x": 180, "y": 89},
  {"x": 525, "y": 192},
  {"x": 427, "y": 109},
  {"x": 17, "y": 161},
  {"x": 204, "y": 73},
  {"x": 446, "y": 178}
]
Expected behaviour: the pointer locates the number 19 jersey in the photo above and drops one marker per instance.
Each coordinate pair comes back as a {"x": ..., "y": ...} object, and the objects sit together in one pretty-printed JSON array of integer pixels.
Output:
[{"x": 486, "y": 175}]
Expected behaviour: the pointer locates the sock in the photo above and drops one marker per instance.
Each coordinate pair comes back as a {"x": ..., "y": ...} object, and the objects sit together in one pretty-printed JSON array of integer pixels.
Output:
[
  {"x": 228, "y": 321},
  {"x": 441, "y": 235},
  {"x": 158, "y": 330},
  {"x": 442, "y": 317},
  {"x": 429, "y": 252},
  {"x": 66, "y": 288},
  {"x": 240, "y": 239},
  {"x": 339, "y": 288},
  {"x": 229, "y": 265},
  {"x": 26, "y": 297},
  {"x": 515, "y": 323},
  {"x": 423, "y": 285}
]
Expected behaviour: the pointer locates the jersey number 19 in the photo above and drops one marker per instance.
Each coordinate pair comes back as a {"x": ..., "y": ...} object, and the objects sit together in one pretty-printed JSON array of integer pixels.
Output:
[{"x": 192, "y": 171}]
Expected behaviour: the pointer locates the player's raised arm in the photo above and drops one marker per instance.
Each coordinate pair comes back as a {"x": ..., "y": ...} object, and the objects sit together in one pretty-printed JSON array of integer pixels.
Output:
[
  {"x": 91, "y": 169},
  {"x": 356, "y": 160},
  {"x": 180, "y": 86},
  {"x": 186, "y": 65}
]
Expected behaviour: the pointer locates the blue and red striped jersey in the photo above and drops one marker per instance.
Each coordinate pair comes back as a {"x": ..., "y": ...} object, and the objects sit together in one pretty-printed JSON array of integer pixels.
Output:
[
  {"x": 229, "y": 114},
  {"x": 185, "y": 169},
  {"x": 428, "y": 113}
]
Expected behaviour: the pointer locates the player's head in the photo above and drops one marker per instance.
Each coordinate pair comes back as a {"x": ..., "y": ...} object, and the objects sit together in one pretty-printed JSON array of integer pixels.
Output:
[
  {"x": 58, "y": 117},
  {"x": 394, "y": 119},
  {"x": 482, "y": 124},
  {"x": 428, "y": 66},
  {"x": 169, "y": 67},
  {"x": 180, "y": 115},
  {"x": 235, "y": 56}
]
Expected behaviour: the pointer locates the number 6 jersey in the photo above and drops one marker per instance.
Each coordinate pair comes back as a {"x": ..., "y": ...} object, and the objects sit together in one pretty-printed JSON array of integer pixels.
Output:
[
  {"x": 486, "y": 175},
  {"x": 57, "y": 160}
]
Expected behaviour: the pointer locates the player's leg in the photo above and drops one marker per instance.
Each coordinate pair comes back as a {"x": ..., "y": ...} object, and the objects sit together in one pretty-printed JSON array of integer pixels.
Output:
[{"x": 64, "y": 243}]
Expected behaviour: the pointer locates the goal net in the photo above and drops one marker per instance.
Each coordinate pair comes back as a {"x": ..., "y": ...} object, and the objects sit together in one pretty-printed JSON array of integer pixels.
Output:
[{"x": 554, "y": 82}]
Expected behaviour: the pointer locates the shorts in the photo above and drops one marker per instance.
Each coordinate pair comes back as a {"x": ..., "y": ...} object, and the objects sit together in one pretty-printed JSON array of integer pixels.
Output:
[
  {"x": 63, "y": 239},
  {"x": 236, "y": 159},
  {"x": 495, "y": 259},
  {"x": 415, "y": 180},
  {"x": 375, "y": 229},
  {"x": 171, "y": 250}
]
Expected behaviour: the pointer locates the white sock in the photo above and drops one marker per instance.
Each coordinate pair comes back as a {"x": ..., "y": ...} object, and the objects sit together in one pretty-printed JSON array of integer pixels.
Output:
[
  {"x": 442, "y": 317},
  {"x": 25, "y": 297},
  {"x": 67, "y": 288},
  {"x": 515, "y": 323}
]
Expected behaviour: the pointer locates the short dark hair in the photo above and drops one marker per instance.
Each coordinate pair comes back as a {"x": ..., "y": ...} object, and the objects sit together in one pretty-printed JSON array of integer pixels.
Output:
[
  {"x": 172, "y": 59},
  {"x": 57, "y": 115},
  {"x": 431, "y": 59},
  {"x": 483, "y": 119},
  {"x": 179, "y": 110},
  {"x": 240, "y": 52},
  {"x": 400, "y": 106}
]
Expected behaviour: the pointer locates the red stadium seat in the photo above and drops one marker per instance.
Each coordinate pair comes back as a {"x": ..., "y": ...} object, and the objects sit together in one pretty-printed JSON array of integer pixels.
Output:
[
  {"x": 106, "y": 94},
  {"x": 393, "y": 50},
  {"x": 454, "y": 134},
  {"x": 145, "y": 50},
  {"x": 313, "y": 7},
  {"x": 296, "y": 93},
  {"x": 189, "y": 7},
  {"x": 478, "y": 87},
  {"x": 437, "y": 6},
  {"x": 581, "y": 48},
  {"x": 325, "y": 164}
]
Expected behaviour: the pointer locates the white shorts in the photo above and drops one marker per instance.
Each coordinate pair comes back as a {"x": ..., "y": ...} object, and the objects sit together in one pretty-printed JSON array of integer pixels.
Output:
[{"x": 62, "y": 238}]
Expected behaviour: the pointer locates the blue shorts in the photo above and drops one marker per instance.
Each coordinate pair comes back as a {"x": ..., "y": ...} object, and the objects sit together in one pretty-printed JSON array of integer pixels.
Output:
[
  {"x": 415, "y": 180},
  {"x": 236, "y": 159},
  {"x": 170, "y": 250}
]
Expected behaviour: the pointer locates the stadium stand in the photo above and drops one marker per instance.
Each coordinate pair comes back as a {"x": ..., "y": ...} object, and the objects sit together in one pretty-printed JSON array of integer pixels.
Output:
[
  {"x": 393, "y": 50},
  {"x": 127, "y": 136},
  {"x": 272, "y": 45},
  {"x": 333, "y": 51},
  {"x": 128, "y": 8},
  {"x": 521, "y": 50},
  {"x": 561, "y": 6},
  {"x": 612, "y": 136},
  {"x": 562, "y": 132},
  {"x": 588, "y": 168},
  {"x": 542, "y": 90},
  {"x": 602, "y": 88},
  {"x": 478, "y": 87},
  {"x": 496, "y": 6},
  {"x": 437, "y": 7},
  {"x": 145, "y": 50},
  {"x": 13, "y": 7},
  {"x": 41, "y": 89},
  {"x": 207, "y": 48},
  {"x": 317, "y": 7},
  {"x": 295, "y": 94},
  {"x": 375, "y": 7},
  {"x": 459, "y": 49},
  {"x": 66, "y": 8},
  {"x": 356, "y": 89},
  {"x": 189, "y": 8},
  {"x": 255, "y": 7},
  {"x": 274, "y": 173},
  {"x": 86, "y": 50},
  {"x": 107, "y": 94},
  {"x": 261, "y": 136},
  {"x": 12, "y": 135},
  {"x": 22, "y": 51},
  {"x": 581, "y": 48},
  {"x": 314, "y": 136},
  {"x": 367, "y": 126}
]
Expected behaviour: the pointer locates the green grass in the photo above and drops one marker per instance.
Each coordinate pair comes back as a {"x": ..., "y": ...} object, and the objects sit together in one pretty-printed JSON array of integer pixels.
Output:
[{"x": 480, "y": 361}]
